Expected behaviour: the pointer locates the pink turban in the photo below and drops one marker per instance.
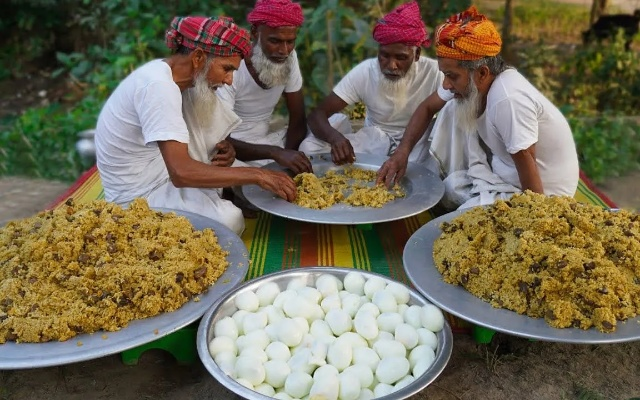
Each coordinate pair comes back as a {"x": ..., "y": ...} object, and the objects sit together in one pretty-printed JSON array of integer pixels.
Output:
[
  {"x": 220, "y": 37},
  {"x": 276, "y": 13},
  {"x": 402, "y": 25}
]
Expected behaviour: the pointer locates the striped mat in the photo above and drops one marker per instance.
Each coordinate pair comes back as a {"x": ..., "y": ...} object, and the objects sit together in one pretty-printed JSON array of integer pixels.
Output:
[{"x": 276, "y": 243}]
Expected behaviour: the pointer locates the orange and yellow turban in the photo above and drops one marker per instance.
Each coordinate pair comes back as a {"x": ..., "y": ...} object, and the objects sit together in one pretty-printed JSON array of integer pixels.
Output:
[{"x": 468, "y": 35}]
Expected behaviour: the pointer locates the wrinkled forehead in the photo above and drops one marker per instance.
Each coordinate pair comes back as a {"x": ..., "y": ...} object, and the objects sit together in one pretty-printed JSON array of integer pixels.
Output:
[
  {"x": 396, "y": 50},
  {"x": 281, "y": 33},
  {"x": 450, "y": 66}
]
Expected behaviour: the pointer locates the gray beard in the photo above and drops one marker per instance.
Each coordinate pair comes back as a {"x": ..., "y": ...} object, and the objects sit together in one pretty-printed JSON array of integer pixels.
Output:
[
  {"x": 205, "y": 100},
  {"x": 397, "y": 89},
  {"x": 467, "y": 109},
  {"x": 270, "y": 73}
]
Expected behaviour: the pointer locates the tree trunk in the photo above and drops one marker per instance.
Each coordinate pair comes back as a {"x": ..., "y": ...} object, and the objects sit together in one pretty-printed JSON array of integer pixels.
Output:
[
  {"x": 506, "y": 31},
  {"x": 597, "y": 9}
]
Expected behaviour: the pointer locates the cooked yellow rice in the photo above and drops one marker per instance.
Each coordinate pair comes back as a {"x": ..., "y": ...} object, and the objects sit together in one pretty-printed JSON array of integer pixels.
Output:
[
  {"x": 351, "y": 186},
  {"x": 96, "y": 266},
  {"x": 576, "y": 265}
]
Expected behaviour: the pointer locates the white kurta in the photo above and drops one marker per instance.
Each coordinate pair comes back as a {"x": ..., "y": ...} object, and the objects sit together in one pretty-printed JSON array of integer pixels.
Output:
[
  {"x": 145, "y": 108},
  {"x": 384, "y": 123}
]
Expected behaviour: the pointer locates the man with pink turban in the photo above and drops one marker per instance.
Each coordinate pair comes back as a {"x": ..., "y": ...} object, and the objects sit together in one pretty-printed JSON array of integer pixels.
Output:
[
  {"x": 529, "y": 141},
  {"x": 161, "y": 134},
  {"x": 390, "y": 86}
]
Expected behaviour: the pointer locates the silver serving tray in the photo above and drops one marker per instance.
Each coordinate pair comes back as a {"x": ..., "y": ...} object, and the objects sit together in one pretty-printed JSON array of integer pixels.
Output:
[
  {"x": 100, "y": 344},
  {"x": 225, "y": 307},
  {"x": 421, "y": 270},
  {"x": 424, "y": 189}
]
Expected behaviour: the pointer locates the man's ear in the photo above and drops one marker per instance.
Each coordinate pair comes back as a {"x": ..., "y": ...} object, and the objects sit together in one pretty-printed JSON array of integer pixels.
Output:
[
  {"x": 254, "y": 33},
  {"x": 483, "y": 73},
  {"x": 198, "y": 59},
  {"x": 418, "y": 50}
]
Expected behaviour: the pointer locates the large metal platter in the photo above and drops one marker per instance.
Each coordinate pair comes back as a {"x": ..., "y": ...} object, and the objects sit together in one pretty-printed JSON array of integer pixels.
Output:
[
  {"x": 424, "y": 189},
  {"x": 421, "y": 270},
  {"x": 99, "y": 344},
  {"x": 225, "y": 306}
]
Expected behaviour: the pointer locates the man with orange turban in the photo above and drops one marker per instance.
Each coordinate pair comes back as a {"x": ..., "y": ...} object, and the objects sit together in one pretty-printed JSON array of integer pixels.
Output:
[
  {"x": 269, "y": 73},
  {"x": 390, "y": 87},
  {"x": 530, "y": 142},
  {"x": 161, "y": 134}
]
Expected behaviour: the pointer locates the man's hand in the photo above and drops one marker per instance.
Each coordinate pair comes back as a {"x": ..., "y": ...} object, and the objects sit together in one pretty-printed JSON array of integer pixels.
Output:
[
  {"x": 342, "y": 151},
  {"x": 392, "y": 171},
  {"x": 294, "y": 160},
  {"x": 278, "y": 183},
  {"x": 225, "y": 155}
]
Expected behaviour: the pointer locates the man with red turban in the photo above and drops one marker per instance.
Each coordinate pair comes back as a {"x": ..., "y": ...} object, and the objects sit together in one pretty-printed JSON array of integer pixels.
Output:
[
  {"x": 390, "y": 86},
  {"x": 530, "y": 142},
  {"x": 161, "y": 134},
  {"x": 270, "y": 72}
]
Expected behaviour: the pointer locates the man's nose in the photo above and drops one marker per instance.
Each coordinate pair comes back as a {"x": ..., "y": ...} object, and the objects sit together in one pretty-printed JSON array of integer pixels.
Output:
[
  {"x": 446, "y": 84},
  {"x": 228, "y": 79}
]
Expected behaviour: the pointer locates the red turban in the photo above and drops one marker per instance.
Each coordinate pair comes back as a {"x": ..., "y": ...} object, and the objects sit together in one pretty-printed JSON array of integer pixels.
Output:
[
  {"x": 468, "y": 36},
  {"x": 220, "y": 37},
  {"x": 276, "y": 13},
  {"x": 402, "y": 25}
]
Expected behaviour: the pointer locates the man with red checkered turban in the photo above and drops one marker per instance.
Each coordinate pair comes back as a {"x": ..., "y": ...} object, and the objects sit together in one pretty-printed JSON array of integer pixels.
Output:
[
  {"x": 269, "y": 73},
  {"x": 530, "y": 141},
  {"x": 161, "y": 134},
  {"x": 390, "y": 87}
]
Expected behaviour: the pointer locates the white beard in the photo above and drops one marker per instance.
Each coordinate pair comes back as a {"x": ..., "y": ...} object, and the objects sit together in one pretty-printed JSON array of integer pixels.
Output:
[
  {"x": 270, "y": 73},
  {"x": 467, "y": 108},
  {"x": 397, "y": 89},
  {"x": 205, "y": 100}
]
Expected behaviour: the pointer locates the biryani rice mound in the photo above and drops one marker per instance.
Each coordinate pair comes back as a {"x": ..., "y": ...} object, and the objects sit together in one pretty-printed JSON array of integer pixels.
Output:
[
  {"x": 96, "y": 266},
  {"x": 576, "y": 265},
  {"x": 351, "y": 186}
]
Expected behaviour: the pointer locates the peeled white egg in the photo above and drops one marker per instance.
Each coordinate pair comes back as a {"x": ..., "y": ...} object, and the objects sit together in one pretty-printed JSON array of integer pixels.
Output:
[
  {"x": 362, "y": 372},
  {"x": 399, "y": 291},
  {"x": 226, "y": 327},
  {"x": 404, "y": 382},
  {"x": 282, "y": 396},
  {"x": 255, "y": 352},
  {"x": 278, "y": 351},
  {"x": 247, "y": 301},
  {"x": 340, "y": 354},
  {"x": 407, "y": 335},
  {"x": 387, "y": 321},
  {"x": 366, "y": 394},
  {"x": 354, "y": 283},
  {"x": 222, "y": 344},
  {"x": 276, "y": 372},
  {"x": 349, "y": 386},
  {"x": 366, "y": 356},
  {"x": 289, "y": 332},
  {"x": 382, "y": 389},
  {"x": 392, "y": 369},
  {"x": 432, "y": 318},
  {"x": 402, "y": 308},
  {"x": 274, "y": 314},
  {"x": 312, "y": 295},
  {"x": 328, "y": 285},
  {"x": 354, "y": 339},
  {"x": 325, "y": 370},
  {"x": 305, "y": 343},
  {"x": 298, "y": 384},
  {"x": 412, "y": 316},
  {"x": 369, "y": 308},
  {"x": 254, "y": 321},
  {"x": 427, "y": 337},
  {"x": 284, "y": 297},
  {"x": 331, "y": 302},
  {"x": 422, "y": 366},
  {"x": 304, "y": 361},
  {"x": 272, "y": 331},
  {"x": 325, "y": 386},
  {"x": 422, "y": 352},
  {"x": 257, "y": 338},
  {"x": 366, "y": 325},
  {"x": 385, "y": 301},
  {"x": 238, "y": 316},
  {"x": 267, "y": 292},
  {"x": 303, "y": 324},
  {"x": 297, "y": 283},
  {"x": 390, "y": 348},
  {"x": 320, "y": 328},
  {"x": 351, "y": 304},
  {"x": 250, "y": 369},
  {"x": 226, "y": 360},
  {"x": 339, "y": 321},
  {"x": 265, "y": 389},
  {"x": 298, "y": 307},
  {"x": 373, "y": 285},
  {"x": 244, "y": 383}
]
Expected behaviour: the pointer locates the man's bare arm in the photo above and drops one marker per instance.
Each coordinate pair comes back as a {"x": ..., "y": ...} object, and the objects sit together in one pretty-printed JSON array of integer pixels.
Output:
[
  {"x": 319, "y": 118},
  {"x": 297, "y": 129},
  {"x": 419, "y": 122},
  {"x": 527, "y": 168}
]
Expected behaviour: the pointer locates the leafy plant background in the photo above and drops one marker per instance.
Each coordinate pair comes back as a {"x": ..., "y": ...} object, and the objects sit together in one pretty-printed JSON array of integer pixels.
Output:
[{"x": 95, "y": 44}]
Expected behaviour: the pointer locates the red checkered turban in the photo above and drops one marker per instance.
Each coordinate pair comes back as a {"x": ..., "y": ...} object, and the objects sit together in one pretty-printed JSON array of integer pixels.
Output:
[
  {"x": 276, "y": 13},
  {"x": 220, "y": 37},
  {"x": 468, "y": 36},
  {"x": 402, "y": 25}
]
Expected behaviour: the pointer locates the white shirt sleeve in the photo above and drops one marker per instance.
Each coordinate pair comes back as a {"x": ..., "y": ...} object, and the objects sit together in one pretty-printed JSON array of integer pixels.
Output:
[
  {"x": 348, "y": 87},
  {"x": 227, "y": 94},
  {"x": 515, "y": 120},
  {"x": 294, "y": 83},
  {"x": 159, "y": 107},
  {"x": 444, "y": 94}
]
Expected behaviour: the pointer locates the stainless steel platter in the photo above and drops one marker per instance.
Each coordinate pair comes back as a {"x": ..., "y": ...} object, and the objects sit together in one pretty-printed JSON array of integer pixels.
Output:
[
  {"x": 424, "y": 189},
  {"x": 99, "y": 344},
  {"x": 421, "y": 270}
]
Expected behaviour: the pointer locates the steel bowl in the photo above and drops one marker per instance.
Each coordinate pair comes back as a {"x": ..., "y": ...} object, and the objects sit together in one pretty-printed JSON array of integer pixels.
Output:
[{"x": 225, "y": 307}]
